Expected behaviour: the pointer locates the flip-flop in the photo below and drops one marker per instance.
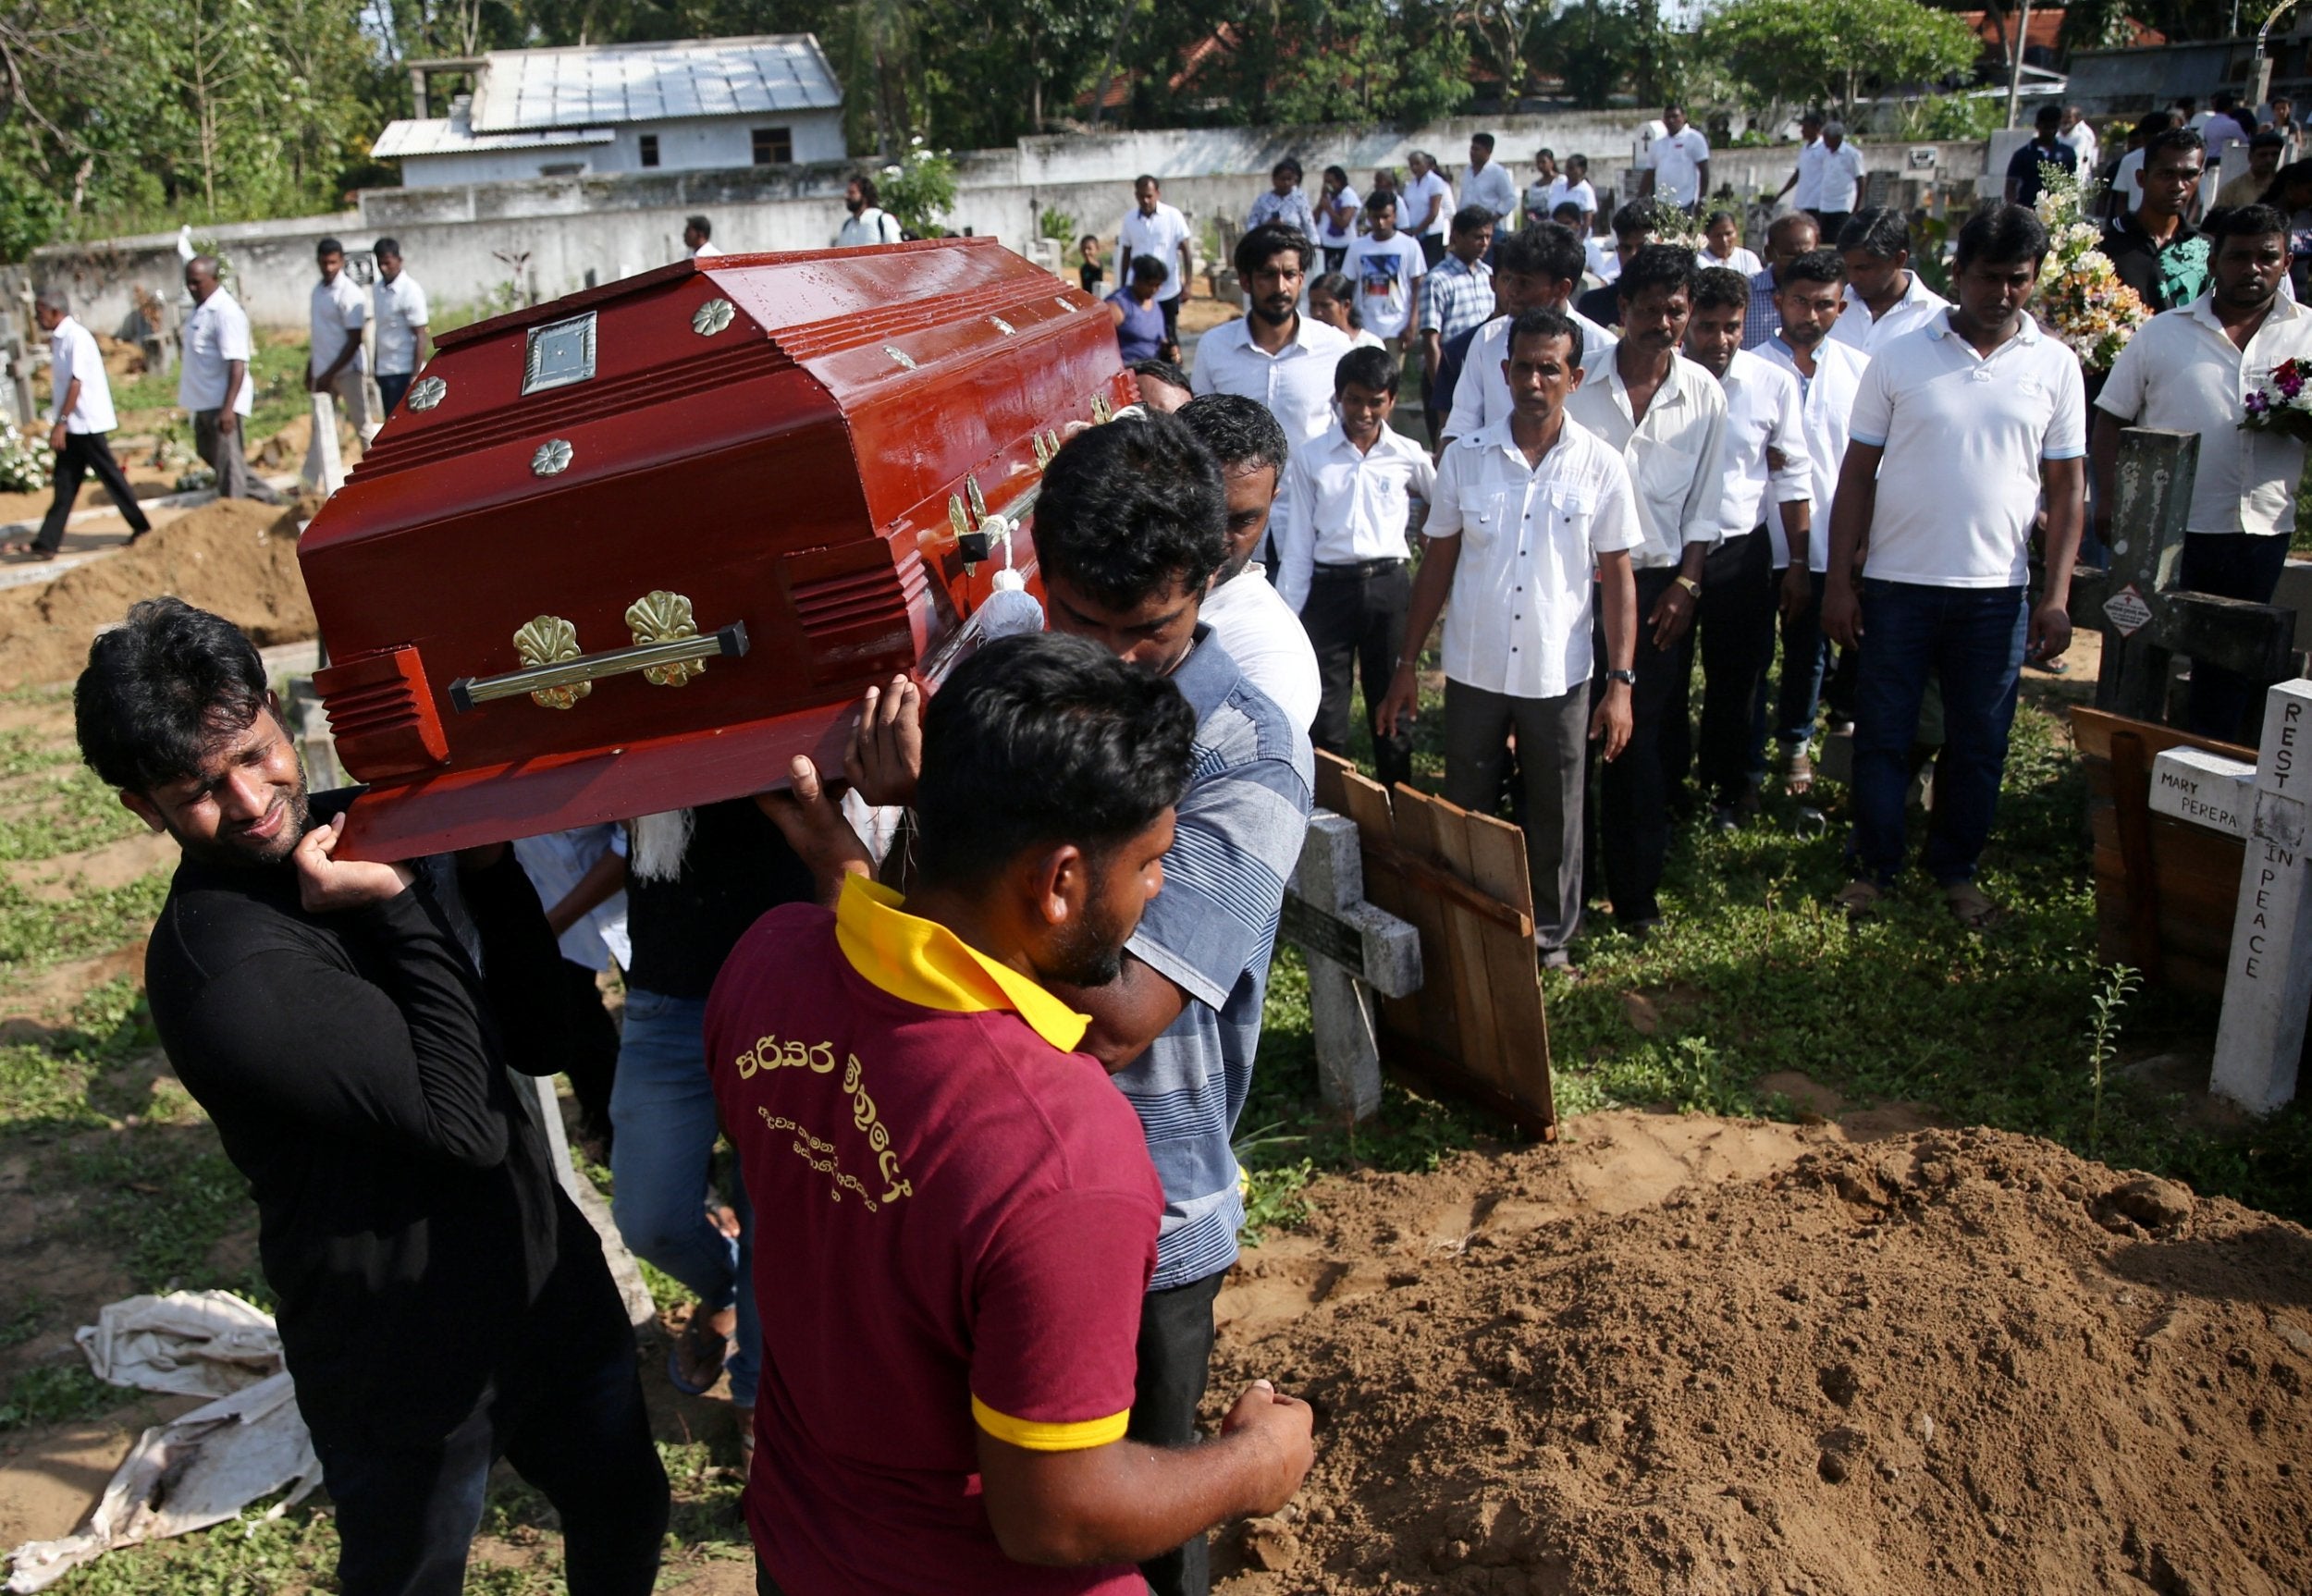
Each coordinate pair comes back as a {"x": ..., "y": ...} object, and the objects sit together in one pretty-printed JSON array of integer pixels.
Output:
[
  {"x": 1970, "y": 907},
  {"x": 29, "y": 550},
  {"x": 698, "y": 1339},
  {"x": 1859, "y": 898}
]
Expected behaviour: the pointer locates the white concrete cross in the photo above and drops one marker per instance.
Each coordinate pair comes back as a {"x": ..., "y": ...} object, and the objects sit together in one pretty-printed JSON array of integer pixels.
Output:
[
  {"x": 1355, "y": 950},
  {"x": 2267, "y": 988},
  {"x": 325, "y": 465}
]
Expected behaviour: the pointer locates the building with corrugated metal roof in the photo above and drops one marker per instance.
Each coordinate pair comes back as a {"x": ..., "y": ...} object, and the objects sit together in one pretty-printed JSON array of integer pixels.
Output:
[{"x": 690, "y": 105}]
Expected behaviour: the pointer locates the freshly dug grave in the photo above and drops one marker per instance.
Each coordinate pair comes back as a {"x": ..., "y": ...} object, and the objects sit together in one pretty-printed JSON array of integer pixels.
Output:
[
  {"x": 234, "y": 556},
  {"x": 1946, "y": 1361}
]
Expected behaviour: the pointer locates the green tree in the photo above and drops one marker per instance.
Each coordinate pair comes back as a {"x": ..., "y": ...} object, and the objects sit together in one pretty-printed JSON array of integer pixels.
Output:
[{"x": 1824, "y": 52}]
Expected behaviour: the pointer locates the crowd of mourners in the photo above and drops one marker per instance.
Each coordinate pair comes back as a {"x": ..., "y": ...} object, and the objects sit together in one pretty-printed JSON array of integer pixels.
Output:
[{"x": 982, "y": 1083}]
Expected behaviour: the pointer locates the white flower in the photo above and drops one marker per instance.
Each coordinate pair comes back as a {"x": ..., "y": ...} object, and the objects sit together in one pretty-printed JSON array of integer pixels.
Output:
[
  {"x": 916, "y": 141},
  {"x": 890, "y": 171}
]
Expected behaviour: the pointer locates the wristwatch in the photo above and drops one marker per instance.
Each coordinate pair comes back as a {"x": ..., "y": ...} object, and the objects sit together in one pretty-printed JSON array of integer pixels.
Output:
[
  {"x": 1626, "y": 677},
  {"x": 1693, "y": 588}
]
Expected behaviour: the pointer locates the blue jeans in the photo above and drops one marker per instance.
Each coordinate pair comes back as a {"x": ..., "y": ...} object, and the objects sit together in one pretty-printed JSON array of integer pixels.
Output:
[
  {"x": 663, "y": 1109},
  {"x": 1971, "y": 640}
]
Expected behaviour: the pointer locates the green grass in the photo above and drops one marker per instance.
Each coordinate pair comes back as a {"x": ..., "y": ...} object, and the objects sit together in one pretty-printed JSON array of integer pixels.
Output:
[
  {"x": 37, "y": 932},
  {"x": 167, "y": 1197},
  {"x": 62, "y": 1084},
  {"x": 67, "y": 811},
  {"x": 1755, "y": 974},
  {"x": 55, "y": 1393}
]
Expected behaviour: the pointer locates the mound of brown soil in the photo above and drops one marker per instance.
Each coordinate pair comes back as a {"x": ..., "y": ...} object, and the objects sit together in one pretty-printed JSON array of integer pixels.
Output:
[
  {"x": 234, "y": 556},
  {"x": 1948, "y": 1361}
]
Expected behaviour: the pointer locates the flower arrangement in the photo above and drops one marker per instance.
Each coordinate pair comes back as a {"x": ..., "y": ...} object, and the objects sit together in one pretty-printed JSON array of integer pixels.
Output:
[
  {"x": 25, "y": 460},
  {"x": 2281, "y": 402},
  {"x": 1674, "y": 225},
  {"x": 2081, "y": 300}
]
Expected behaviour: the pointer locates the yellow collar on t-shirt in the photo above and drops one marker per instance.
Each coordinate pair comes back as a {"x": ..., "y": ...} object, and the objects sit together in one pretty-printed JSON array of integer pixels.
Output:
[{"x": 922, "y": 961}]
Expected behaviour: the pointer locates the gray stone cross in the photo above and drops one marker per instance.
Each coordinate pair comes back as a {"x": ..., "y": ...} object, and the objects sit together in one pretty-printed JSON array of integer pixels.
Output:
[{"x": 1354, "y": 950}]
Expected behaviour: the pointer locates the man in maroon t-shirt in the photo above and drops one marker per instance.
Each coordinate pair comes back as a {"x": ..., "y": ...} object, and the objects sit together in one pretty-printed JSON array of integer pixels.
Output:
[{"x": 958, "y": 1214}]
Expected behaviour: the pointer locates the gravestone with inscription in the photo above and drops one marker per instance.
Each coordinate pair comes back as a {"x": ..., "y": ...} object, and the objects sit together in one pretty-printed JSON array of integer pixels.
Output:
[{"x": 2267, "y": 989}]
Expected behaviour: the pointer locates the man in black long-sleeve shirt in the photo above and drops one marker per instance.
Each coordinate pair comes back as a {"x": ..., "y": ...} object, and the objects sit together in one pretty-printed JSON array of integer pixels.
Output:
[{"x": 442, "y": 1301}]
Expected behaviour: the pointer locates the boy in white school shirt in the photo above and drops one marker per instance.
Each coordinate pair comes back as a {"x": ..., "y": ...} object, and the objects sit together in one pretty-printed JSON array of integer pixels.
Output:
[
  {"x": 1357, "y": 492},
  {"x": 1958, "y": 430}
]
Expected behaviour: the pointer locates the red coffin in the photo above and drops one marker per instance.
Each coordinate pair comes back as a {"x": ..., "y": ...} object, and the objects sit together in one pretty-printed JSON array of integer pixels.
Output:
[{"x": 724, "y": 497}]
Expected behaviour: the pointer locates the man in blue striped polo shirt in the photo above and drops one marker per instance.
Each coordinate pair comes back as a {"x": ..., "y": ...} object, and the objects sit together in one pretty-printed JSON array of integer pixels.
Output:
[{"x": 1131, "y": 525}]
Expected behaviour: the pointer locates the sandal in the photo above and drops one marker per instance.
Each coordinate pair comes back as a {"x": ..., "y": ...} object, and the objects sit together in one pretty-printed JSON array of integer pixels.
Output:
[
  {"x": 30, "y": 550},
  {"x": 694, "y": 1362},
  {"x": 1859, "y": 898},
  {"x": 1970, "y": 907}
]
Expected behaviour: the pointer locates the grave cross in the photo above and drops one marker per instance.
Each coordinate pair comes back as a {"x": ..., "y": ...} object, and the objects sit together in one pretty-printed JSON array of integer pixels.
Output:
[
  {"x": 1355, "y": 950},
  {"x": 2144, "y": 620},
  {"x": 331, "y": 463},
  {"x": 2267, "y": 988}
]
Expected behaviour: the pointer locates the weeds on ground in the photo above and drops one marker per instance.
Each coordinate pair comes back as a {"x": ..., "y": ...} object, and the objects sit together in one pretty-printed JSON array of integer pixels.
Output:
[
  {"x": 64, "y": 811},
  {"x": 36, "y": 932},
  {"x": 61, "y": 1083},
  {"x": 55, "y": 1393}
]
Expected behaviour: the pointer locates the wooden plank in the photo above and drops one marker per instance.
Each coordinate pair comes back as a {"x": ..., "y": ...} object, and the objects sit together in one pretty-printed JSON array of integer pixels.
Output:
[
  {"x": 1366, "y": 801},
  {"x": 1473, "y": 1000},
  {"x": 2092, "y": 729},
  {"x": 2131, "y": 785},
  {"x": 1330, "y": 791},
  {"x": 1497, "y": 865},
  {"x": 1443, "y": 997},
  {"x": 1409, "y": 1056}
]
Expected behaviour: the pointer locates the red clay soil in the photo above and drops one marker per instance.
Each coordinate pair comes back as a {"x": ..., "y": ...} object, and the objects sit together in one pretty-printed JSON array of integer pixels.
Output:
[{"x": 1950, "y": 1361}]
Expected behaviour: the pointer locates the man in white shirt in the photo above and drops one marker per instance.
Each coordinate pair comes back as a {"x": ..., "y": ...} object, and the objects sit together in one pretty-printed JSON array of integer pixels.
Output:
[
  {"x": 1667, "y": 417},
  {"x": 2187, "y": 370},
  {"x": 698, "y": 235},
  {"x": 1958, "y": 431},
  {"x": 1338, "y": 207},
  {"x": 336, "y": 361},
  {"x": 1427, "y": 213},
  {"x": 1885, "y": 297},
  {"x": 403, "y": 342},
  {"x": 1153, "y": 228},
  {"x": 1840, "y": 179},
  {"x": 1804, "y": 183},
  {"x": 2220, "y": 132},
  {"x": 866, "y": 224},
  {"x": 1386, "y": 265},
  {"x": 1678, "y": 164},
  {"x": 212, "y": 377},
  {"x": 81, "y": 416},
  {"x": 1357, "y": 492},
  {"x": 581, "y": 880},
  {"x": 2080, "y": 134},
  {"x": 1808, "y": 300},
  {"x": 1488, "y": 183},
  {"x": 1762, "y": 461},
  {"x": 1540, "y": 268},
  {"x": 1524, "y": 511},
  {"x": 1247, "y": 615},
  {"x": 1272, "y": 354}
]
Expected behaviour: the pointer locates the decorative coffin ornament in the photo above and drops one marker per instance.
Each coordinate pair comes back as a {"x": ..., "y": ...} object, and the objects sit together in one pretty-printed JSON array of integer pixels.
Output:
[{"x": 767, "y": 481}]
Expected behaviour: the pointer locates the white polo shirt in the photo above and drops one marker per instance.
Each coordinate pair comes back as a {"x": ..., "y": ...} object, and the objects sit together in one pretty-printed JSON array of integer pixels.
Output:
[
  {"x": 1492, "y": 187},
  {"x": 1351, "y": 505},
  {"x": 1413, "y": 199},
  {"x": 1676, "y": 159},
  {"x": 1918, "y": 306},
  {"x": 401, "y": 310},
  {"x": 1517, "y": 618},
  {"x": 1296, "y": 383},
  {"x": 72, "y": 352},
  {"x": 1806, "y": 193},
  {"x": 1763, "y": 413},
  {"x": 1672, "y": 453},
  {"x": 1480, "y": 397},
  {"x": 1264, "y": 636},
  {"x": 339, "y": 310},
  {"x": 216, "y": 335},
  {"x": 1160, "y": 235},
  {"x": 1561, "y": 191},
  {"x": 1842, "y": 178},
  {"x": 2180, "y": 372},
  {"x": 1959, "y": 485},
  {"x": 1827, "y": 405}
]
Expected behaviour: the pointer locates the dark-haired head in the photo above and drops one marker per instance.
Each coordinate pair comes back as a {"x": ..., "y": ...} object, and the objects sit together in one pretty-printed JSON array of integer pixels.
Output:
[
  {"x": 1664, "y": 267},
  {"x": 1267, "y": 241},
  {"x": 1368, "y": 368},
  {"x": 173, "y": 712},
  {"x": 1877, "y": 231},
  {"x": 1816, "y": 266},
  {"x": 1719, "y": 287},
  {"x": 2000, "y": 234},
  {"x": 1633, "y": 220},
  {"x": 1337, "y": 290},
  {"x": 2249, "y": 255},
  {"x": 1541, "y": 326},
  {"x": 1251, "y": 449},
  {"x": 1537, "y": 265},
  {"x": 1131, "y": 524},
  {"x": 1050, "y": 772},
  {"x": 1163, "y": 386}
]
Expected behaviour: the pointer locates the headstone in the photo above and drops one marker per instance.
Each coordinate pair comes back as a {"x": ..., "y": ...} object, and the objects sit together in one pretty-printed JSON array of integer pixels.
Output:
[
  {"x": 2145, "y": 621},
  {"x": 2267, "y": 989},
  {"x": 2204, "y": 788},
  {"x": 1354, "y": 951}
]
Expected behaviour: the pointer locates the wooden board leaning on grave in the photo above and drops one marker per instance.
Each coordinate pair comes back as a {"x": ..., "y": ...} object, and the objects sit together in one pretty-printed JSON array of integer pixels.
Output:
[
  {"x": 1475, "y": 1027},
  {"x": 2165, "y": 890}
]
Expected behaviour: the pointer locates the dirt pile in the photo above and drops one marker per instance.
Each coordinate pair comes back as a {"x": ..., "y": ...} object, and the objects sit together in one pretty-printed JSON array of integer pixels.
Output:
[
  {"x": 1943, "y": 1361},
  {"x": 235, "y": 557}
]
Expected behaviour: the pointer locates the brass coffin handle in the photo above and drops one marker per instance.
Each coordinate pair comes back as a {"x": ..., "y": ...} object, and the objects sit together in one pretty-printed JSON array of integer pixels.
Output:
[{"x": 668, "y": 650}]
